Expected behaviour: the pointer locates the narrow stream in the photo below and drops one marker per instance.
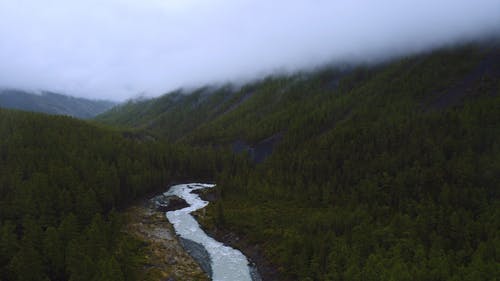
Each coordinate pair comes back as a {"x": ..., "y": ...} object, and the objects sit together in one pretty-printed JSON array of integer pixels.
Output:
[{"x": 227, "y": 263}]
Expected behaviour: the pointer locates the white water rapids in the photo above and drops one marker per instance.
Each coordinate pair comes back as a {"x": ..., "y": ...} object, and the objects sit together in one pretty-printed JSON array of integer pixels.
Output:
[{"x": 228, "y": 264}]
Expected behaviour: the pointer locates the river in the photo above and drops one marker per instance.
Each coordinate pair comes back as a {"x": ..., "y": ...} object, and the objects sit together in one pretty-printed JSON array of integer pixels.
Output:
[{"x": 228, "y": 264}]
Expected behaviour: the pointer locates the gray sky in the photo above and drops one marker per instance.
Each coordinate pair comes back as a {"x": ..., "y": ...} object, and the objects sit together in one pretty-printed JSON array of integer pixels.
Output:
[{"x": 118, "y": 48}]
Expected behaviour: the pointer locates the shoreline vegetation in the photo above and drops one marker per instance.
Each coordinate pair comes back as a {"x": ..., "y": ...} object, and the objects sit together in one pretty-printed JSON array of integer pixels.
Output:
[
  {"x": 258, "y": 262},
  {"x": 167, "y": 256}
]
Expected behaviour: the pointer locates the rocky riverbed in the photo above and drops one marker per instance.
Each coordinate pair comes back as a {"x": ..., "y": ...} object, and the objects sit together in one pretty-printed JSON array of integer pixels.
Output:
[
  {"x": 227, "y": 264},
  {"x": 170, "y": 257},
  {"x": 165, "y": 258}
]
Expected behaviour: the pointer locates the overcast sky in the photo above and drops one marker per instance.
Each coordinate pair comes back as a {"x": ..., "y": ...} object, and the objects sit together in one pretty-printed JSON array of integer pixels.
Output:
[{"x": 116, "y": 49}]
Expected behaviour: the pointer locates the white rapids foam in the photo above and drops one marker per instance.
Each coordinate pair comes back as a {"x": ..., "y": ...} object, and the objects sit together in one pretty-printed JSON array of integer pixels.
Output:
[{"x": 228, "y": 264}]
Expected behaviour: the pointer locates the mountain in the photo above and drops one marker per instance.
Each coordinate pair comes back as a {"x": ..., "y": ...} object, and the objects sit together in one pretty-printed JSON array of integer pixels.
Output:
[
  {"x": 380, "y": 172},
  {"x": 310, "y": 104},
  {"x": 53, "y": 103}
]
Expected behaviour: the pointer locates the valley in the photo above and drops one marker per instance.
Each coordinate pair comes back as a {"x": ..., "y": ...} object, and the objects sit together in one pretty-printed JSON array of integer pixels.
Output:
[
  {"x": 249, "y": 140},
  {"x": 369, "y": 175},
  {"x": 371, "y": 172}
]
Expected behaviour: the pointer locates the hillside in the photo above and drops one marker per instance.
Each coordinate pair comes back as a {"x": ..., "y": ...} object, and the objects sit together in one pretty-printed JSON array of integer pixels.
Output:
[
  {"x": 175, "y": 114},
  {"x": 306, "y": 105},
  {"x": 53, "y": 103},
  {"x": 386, "y": 172},
  {"x": 61, "y": 182}
]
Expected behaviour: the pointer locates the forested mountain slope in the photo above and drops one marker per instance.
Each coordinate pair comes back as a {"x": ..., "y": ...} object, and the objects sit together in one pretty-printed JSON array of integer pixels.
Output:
[
  {"x": 261, "y": 109},
  {"x": 172, "y": 115},
  {"x": 61, "y": 179},
  {"x": 395, "y": 178},
  {"x": 53, "y": 103},
  {"x": 388, "y": 172}
]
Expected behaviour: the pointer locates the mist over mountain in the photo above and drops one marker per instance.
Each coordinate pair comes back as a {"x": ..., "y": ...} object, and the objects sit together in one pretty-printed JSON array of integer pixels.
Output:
[
  {"x": 53, "y": 103},
  {"x": 342, "y": 139},
  {"x": 385, "y": 172},
  {"x": 124, "y": 47},
  {"x": 380, "y": 172}
]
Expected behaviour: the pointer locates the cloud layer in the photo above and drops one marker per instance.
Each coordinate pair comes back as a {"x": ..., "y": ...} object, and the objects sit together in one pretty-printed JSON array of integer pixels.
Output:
[{"x": 118, "y": 48}]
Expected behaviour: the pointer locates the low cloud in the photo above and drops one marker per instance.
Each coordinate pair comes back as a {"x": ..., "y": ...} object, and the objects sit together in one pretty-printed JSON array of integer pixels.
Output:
[{"x": 117, "y": 48}]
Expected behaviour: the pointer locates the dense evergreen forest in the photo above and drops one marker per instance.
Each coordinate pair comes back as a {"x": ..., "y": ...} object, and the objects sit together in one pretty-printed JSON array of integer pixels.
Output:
[
  {"x": 386, "y": 172},
  {"x": 176, "y": 114},
  {"x": 394, "y": 177},
  {"x": 61, "y": 182}
]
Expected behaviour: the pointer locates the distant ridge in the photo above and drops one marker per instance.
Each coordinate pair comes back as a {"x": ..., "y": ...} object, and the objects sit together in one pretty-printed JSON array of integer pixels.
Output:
[{"x": 53, "y": 103}]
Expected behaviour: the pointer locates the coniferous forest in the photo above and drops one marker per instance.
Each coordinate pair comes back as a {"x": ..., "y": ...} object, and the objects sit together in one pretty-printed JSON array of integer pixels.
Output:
[
  {"x": 62, "y": 184},
  {"x": 398, "y": 187},
  {"x": 378, "y": 172}
]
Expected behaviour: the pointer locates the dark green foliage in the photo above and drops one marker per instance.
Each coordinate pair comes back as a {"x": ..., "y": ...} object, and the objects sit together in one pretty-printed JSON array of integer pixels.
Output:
[
  {"x": 377, "y": 182},
  {"x": 172, "y": 115},
  {"x": 60, "y": 178}
]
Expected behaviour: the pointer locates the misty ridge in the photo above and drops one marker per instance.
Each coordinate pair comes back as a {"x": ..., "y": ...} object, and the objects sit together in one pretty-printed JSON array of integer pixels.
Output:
[
  {"x": 117, "y": 49},
  {"x": 53, "y": 103}
]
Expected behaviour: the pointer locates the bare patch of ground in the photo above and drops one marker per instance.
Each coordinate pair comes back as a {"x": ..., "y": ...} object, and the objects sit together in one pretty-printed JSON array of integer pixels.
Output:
[
  {"x": 487, "y": 69},
  {"x": 166, "y": 260}
]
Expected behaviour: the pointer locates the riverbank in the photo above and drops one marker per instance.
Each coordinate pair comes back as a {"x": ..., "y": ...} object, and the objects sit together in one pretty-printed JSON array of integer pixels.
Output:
[
  {"x": 227, "y": 264},
  {"x": 164, "y": 256},
  {"x": 205, "y": 218}
]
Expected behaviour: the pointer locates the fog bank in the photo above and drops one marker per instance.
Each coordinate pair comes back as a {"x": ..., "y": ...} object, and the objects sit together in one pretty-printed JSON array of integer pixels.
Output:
[{"x": 115, "y": 49}]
